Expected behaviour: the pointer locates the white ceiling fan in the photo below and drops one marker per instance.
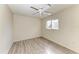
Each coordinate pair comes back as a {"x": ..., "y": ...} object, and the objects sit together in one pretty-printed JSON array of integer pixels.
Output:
[{"x": 41, "y": 10}]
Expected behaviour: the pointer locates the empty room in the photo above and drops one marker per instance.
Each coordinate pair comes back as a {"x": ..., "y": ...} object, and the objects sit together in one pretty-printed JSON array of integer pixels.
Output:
[{"x": 39, "y": 28}]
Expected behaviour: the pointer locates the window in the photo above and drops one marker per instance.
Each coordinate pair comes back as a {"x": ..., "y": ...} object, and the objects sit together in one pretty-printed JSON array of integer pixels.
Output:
[
  {"x": 48, "y": 24},
  {"x": 52, "y": 24}
]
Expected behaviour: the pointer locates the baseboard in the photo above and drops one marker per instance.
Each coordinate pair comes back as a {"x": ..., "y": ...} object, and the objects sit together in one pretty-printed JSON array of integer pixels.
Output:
[{"x": 28, "y": 39}]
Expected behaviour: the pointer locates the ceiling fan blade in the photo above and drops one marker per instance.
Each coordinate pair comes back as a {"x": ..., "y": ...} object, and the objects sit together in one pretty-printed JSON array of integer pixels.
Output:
[
  {"x": 47, "y": 13},
  {"x": 34, "y": 8},
  {"x": 35, "y": 13},
  {"x": 49, "y": 5}
]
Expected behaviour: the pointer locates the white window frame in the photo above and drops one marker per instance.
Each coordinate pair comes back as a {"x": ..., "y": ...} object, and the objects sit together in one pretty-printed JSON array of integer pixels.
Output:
[{"x": 52, "y": 24}]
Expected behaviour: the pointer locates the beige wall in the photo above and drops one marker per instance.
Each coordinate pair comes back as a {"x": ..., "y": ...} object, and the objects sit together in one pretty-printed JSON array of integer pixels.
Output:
[
  {"x": 26, "y": 27},
  {"x": 68, "y": 33},
  {"x": 5, "y": 29}
]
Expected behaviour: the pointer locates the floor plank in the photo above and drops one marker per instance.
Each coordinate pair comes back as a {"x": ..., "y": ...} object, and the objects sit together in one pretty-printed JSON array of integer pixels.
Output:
[{"x": 38, "y": 46}]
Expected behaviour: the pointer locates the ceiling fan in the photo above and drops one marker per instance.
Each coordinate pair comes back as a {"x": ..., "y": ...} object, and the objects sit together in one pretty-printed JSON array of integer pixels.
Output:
[{"x": 41, "y": 10}]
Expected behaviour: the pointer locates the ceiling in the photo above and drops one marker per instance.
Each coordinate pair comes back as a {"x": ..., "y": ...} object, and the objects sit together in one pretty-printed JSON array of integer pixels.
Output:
[{"x": 24, "y": 9}]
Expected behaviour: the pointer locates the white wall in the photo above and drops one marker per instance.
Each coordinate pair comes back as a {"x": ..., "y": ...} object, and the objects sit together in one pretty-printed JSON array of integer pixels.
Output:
[
  {"x": 5, "y": 29},
  {"x": 26, "y": 27},
  {"x": 68, "y": 33}
]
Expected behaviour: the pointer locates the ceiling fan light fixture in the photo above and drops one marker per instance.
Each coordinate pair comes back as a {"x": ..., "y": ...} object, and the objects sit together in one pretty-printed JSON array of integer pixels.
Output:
[{"x": 42, "y": 10}]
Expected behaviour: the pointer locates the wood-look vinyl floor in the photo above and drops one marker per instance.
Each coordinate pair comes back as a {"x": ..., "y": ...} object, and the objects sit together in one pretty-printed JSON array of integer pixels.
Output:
[{"x": 38, "y": 46}]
